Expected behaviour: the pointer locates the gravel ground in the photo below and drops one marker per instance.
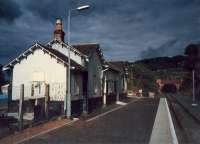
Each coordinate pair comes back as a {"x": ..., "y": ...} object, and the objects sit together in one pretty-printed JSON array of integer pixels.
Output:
[{"x": 187, "y": 128}]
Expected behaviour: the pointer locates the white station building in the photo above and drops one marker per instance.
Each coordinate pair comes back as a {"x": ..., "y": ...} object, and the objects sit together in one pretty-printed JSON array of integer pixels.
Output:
[{"x": 47, "y": 64}]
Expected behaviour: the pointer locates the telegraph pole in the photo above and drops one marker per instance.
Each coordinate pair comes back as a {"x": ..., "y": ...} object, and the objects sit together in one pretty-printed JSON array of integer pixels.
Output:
[{"x": 193, "y": 89}]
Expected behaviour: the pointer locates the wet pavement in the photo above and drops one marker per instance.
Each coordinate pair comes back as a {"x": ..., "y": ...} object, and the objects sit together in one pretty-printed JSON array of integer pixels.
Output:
[
  {"x": 29, "y": 132},
  {"x": 132, "y": 123}
]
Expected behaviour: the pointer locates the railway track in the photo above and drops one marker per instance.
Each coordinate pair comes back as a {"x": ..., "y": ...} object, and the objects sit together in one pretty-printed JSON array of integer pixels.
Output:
[{"x": 187, "y": 126}]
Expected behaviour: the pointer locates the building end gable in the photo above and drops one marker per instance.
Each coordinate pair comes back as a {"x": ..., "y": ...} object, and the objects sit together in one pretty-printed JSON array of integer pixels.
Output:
[{"x": 53, "y": 53}]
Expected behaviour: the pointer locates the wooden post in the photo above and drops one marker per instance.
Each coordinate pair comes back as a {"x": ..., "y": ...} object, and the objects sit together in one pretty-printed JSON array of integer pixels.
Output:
[
  {"x": 104, "y": 91},
  {"x": 85, "y": 109},
  {"x": 9, "y": 97},
  {"x": 118, "y": 87},
  {"x": 47, "y": 101},
  {"x": 21, "y": 100}
]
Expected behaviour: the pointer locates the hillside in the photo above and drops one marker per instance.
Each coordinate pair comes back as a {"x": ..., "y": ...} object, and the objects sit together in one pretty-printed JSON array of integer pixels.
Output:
[
  {"x": 143, "y": 73},
  {"x": 160, "y": 63}
]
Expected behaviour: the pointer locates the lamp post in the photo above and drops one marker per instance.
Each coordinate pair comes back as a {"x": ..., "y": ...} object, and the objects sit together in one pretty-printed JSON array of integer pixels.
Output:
[
  {"x": 104, "y": 83},
  {"x": 193, "y": 89},
  {"x": 67, "y": 100}
]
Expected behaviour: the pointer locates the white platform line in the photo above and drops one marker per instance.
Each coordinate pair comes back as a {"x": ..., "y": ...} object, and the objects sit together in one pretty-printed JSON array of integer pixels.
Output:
[
  {"x": 172, "y": 129},
  {"x": 121, "y": 103},
  {"x": 112, "y": 110},
  {"x": 46, "y": 131},
  {"x": 163, "y": 129}
]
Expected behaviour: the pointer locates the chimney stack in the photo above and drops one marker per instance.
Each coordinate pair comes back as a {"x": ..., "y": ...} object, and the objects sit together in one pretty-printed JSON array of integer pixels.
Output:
[{"x": 59, "y": 34}]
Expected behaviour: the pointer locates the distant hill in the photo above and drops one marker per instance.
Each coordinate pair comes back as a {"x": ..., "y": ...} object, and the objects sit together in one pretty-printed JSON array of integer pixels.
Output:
[{"x": 160, "y": 63}]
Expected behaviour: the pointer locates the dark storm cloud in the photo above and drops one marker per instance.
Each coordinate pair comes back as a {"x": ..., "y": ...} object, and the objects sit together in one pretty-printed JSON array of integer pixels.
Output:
[
  {"x": 21, "y": 35},
  {"x": 126, "y": 29},
  {"x": 9, "y": 11},
  {"x": 163, "y": 50},
  {"x": 49, "y": 9}
]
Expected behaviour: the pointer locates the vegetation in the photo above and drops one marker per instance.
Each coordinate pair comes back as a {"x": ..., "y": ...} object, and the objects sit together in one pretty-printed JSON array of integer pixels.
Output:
[
  {"x": 192, "y": 63},
  {"x": 144, "y": 73},
  {"x": 141, "y": 77},
  {"x": 163, "y": 63}
]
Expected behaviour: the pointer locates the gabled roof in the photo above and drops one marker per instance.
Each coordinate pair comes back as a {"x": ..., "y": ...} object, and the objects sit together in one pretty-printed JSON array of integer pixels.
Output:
[
  {"x": 88, "y": 49},
  {"x": 52, "y": 52},
  {"x": 120, "y": 65},
  {"x": 83, "y": 50},
  {"x": 49, "y": 44},
  {"x": 112, "y": 67}
]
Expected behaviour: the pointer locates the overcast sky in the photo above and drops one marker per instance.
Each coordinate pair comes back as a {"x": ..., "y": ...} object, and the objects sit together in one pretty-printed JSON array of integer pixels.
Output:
[{"x": 125, "y": 29}]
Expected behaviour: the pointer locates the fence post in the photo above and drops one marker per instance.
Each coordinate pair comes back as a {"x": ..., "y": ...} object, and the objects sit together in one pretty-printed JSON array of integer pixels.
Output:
[
  {"x": 47, "y": 101},
  {"x": 9, "y": 97},
  {"x": 118, "y": 87},
  {"x": 21, "y": 100}
]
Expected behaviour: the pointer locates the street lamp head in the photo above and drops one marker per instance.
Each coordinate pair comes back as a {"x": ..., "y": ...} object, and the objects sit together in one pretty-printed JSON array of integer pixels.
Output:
[
  {"x": 106, "y": 66},
  {"x": 83, "y": 7}
]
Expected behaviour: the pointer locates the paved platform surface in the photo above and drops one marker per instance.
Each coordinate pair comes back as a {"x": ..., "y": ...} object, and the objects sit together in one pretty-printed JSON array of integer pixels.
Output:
[
  {"x": 131, "y": 124},
  {"x": 29, "y": 132},
  {"x": 107, "y": 108},
  {"x": 5, "y": 137}
]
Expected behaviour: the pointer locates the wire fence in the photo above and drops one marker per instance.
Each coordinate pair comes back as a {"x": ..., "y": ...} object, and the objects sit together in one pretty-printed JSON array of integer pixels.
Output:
[
  {"x": 56, "y": 91},
  {"x": 35, "y": 102}
]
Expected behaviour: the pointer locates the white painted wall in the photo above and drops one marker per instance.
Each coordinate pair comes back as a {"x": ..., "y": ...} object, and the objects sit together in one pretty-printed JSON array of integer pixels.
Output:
[
  {"x": 112, "y": 81},
  {"x": 123, "y": 84},
  {"x": 63, "y": 49},
  {"x": 94, "y": 76},
  {"x": 47, "y": 67},
  {"x": 111, "y": 75},
  {"x": 117, "y": 77},
  {"x": 76, "y": 86}
]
